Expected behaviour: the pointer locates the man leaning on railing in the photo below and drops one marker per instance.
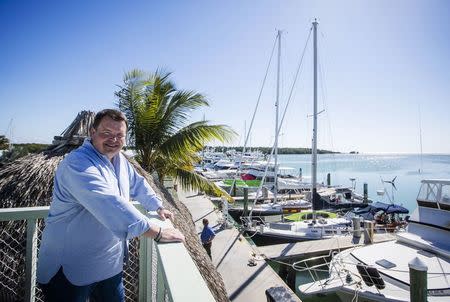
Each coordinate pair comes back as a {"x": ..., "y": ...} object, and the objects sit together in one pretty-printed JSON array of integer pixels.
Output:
[{"x": 84, "y": 243}]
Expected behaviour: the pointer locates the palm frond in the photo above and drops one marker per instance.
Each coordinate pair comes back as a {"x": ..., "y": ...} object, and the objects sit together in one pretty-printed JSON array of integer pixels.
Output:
[
  {"x": 194, "y": 137},
  {"x": 190, "y": 180}
]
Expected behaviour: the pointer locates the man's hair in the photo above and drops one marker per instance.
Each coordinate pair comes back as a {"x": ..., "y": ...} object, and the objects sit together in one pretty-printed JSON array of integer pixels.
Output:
[
  {"x": 112, "y": 113},
  {"x": 205, "y": 221}
]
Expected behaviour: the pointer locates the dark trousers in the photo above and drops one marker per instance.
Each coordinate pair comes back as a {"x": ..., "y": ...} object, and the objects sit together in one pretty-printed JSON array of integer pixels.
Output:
[
  {"x": 60, "y": 289},
  {"x": 207, "y": 247}
]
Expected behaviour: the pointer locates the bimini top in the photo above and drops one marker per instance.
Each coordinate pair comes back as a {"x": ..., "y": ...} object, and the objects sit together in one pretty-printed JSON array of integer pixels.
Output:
[{"x": 385, "y": 207}]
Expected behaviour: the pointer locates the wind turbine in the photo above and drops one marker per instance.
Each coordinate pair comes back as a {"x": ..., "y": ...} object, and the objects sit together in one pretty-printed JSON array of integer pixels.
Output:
[{"x": 392, "y": 183}]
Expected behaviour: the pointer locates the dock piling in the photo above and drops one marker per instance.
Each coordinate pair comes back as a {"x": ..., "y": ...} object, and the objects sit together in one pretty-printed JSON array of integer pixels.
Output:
[
  {"x": 356, "y": 227},
  {"x": 245, "y": 212},
  {"x": 365, "y": 190},
  {"x": 368, "y": 232},
  {"x": 417, "y": 280},
  {"x": 328, "y": 179}
]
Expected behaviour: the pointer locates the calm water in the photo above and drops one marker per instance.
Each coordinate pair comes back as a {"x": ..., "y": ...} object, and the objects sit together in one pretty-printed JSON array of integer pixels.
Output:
[{"x": 371, "y": 169}]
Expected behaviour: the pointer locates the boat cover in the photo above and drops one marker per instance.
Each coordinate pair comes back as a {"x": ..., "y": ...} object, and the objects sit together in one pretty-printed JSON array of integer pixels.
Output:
[{"x": 381, "y": 206}]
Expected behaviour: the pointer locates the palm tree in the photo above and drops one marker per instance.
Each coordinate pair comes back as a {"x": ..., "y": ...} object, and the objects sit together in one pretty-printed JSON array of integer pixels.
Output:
[
  {"x": 159, "y": 129},
  {"x": 4, "y": 142}
]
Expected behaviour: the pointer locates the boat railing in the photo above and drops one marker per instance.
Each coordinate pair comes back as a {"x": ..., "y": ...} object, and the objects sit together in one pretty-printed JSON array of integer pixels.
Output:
[
  {"x": 154, "y": 272},
  {"x": 314, "y": 266},
  {"x": 338, "y": 274}
]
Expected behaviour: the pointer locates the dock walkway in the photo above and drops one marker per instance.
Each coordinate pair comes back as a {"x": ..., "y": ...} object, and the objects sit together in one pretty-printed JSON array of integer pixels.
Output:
[
  {"x": 231, "y": 254},
  {"x": 316, "y": 247}
]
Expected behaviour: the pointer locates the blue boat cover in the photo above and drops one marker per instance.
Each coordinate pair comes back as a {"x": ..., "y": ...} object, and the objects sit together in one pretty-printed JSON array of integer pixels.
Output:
[{"x": 381, "y": 206}]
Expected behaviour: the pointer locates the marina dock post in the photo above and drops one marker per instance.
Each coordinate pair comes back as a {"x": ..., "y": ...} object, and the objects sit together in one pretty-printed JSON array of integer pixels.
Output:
[
  {"x": 356, "y": 227},
  {"x": 328, "y": 179},
  {"x": 368, "y": 232},
  {"x": 245, "y": 212},
  {"x": 365, "y": 194},
  {"x": 226, "y": 223},
  {"x": 417, "y": 280}
]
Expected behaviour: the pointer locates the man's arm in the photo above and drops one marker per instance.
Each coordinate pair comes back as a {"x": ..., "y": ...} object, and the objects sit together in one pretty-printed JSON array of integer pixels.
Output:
[
  {"x": 81, "y": 182},
  {"x": 141, "y": 191}
]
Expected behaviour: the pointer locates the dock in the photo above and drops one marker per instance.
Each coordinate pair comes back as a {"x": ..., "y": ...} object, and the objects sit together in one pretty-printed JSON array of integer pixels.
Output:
[
  {"x": 316, "y": 247},
  {"x": 231, "y": 253}
]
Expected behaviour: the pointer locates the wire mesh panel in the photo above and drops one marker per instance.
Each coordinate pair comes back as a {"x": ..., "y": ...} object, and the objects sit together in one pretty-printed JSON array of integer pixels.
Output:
[
  {"x": 13, "y": 258},
  {"x": 131, "y": 272}
]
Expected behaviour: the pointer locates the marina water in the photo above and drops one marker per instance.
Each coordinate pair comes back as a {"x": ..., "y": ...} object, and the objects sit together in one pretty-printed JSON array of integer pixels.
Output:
[{"x": 409, "y": 169}]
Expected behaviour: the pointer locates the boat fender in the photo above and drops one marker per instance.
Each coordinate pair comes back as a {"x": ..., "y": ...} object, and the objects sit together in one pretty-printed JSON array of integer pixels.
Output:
[{"x": 371, "y": 276}]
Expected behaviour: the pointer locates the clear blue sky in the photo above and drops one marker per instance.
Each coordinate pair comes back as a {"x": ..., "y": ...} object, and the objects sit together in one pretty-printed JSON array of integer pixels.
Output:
[{"x": 381, "y": 60}]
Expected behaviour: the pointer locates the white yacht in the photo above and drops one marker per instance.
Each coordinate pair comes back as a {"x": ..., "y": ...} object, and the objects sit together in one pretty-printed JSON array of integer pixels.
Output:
[
  {"x": 286, "y": 232},
  {"x": 380, "y": 272}
]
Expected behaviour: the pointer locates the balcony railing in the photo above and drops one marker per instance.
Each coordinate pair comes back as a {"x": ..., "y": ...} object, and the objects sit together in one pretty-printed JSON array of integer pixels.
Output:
[{"x": 166, "y": 272}]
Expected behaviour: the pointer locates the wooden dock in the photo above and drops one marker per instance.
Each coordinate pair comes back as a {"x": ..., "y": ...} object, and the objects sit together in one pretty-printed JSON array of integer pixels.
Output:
[
  {"x": 316, "y": 247},
  {"x": 231, "y": 254}
]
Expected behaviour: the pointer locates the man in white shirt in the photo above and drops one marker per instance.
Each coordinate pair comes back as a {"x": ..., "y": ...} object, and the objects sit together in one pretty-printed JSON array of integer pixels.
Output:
[{"x": 84, "y": 242}]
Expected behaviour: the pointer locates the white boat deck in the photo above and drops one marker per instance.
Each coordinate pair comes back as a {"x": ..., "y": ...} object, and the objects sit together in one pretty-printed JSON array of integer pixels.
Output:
[
  {"x": 308, "y": 248},
  {"x": 401, "y": 255}
]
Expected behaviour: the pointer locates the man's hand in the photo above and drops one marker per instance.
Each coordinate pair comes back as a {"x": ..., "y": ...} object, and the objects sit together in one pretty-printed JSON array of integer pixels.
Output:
[
  {"x": 163, "y": 214},
  {"x": 171, "y": 235},
  {"x": 165, "y": 234}
]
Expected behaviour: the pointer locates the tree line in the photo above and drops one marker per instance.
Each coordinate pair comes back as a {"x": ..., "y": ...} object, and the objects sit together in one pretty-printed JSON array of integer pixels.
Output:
[{"x": 267, "y": 150}]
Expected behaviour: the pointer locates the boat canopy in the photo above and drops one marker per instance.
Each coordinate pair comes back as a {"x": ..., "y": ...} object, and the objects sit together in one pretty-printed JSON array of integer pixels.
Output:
[{"x": 385, "y": 207}]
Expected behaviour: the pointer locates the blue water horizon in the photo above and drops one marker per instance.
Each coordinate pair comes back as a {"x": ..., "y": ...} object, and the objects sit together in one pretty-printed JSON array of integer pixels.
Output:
[{"x": 409, "y": 170}]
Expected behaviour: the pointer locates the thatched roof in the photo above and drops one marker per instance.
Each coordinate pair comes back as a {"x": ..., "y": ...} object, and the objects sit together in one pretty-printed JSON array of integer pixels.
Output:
[{"x": 28, "y": 182}]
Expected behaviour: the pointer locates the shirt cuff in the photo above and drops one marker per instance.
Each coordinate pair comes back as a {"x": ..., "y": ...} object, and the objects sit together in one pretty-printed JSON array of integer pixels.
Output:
[{"x": 138, "y": 228}]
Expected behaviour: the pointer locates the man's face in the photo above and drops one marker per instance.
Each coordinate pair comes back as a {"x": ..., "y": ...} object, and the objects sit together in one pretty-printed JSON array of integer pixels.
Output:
[{"x": 109, "y": 137}]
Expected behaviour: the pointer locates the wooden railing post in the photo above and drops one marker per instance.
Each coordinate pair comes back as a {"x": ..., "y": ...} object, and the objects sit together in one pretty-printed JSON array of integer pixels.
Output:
[{"x": 31, "y": 260}]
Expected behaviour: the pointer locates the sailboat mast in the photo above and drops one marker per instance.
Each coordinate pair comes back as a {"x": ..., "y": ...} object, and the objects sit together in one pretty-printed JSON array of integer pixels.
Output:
[
  {"x": 314, "y": 196},
  {"x": 276, "y": 120},
  {"x": 420, "y": 136}
]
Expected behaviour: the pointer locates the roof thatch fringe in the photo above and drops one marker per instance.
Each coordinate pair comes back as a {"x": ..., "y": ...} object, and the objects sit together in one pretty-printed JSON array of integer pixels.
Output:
[
  {"x": 28, "y": 182},
  {"x": 74, "y": 135}
]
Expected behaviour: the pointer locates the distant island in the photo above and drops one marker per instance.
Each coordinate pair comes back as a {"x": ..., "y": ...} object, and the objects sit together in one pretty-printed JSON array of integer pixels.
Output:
[{"x": 266, "y": 150}]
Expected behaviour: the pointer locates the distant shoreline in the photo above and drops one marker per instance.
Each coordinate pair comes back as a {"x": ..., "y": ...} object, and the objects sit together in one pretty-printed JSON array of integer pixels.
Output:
[
  {"x": 37, "y": 147},
  {"x": 267, "y": 150}
]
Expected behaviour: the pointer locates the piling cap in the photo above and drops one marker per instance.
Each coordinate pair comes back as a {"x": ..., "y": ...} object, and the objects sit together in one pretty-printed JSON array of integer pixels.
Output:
[{"x": 417, "y": 265}]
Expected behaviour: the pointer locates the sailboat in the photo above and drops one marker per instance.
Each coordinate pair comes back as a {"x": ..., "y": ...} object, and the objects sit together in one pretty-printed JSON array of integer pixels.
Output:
[
  {"x": 317, "y": 227},
  {"x": 268, "y": 175}
]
